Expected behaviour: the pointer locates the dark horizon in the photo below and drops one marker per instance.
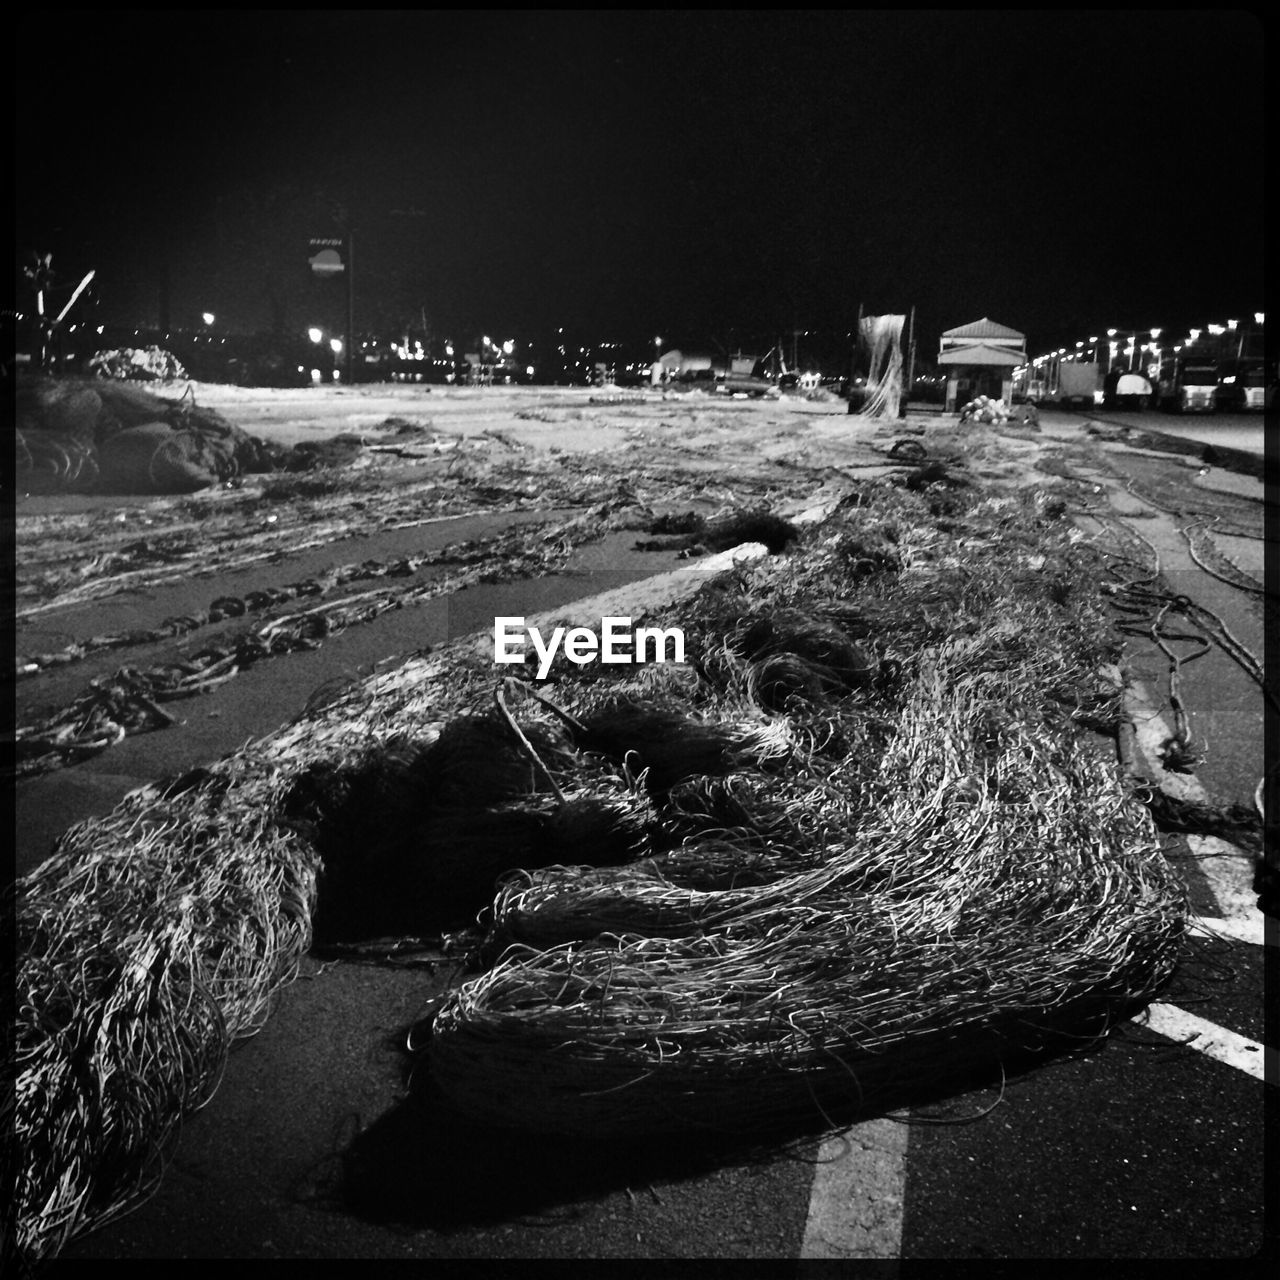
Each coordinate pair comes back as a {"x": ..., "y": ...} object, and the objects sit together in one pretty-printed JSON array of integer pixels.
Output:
[{"x": 622, "y": 174}]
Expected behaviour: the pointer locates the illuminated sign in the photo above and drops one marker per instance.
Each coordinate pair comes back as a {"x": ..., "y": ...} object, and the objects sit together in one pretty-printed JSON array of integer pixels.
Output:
[{"x": 326, "y": 256}]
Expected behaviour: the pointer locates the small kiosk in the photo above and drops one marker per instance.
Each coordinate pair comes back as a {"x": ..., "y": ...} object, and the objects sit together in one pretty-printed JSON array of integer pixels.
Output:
[{"x": 980, "y": 359}]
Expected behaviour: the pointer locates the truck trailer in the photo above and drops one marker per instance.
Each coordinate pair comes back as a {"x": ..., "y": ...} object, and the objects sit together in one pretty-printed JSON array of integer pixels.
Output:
[{"x": 1077, "y": 384}]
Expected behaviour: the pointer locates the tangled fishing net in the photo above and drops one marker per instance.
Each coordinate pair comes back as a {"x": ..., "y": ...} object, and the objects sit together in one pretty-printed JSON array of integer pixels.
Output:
[
  {"x": 939, "y": 872},
  {"x": 881, "y": 340},
  {"x": 110, "y": 435},
  {"x": 858, "y": 845},
  {"x": 147, "y": 945},
  {"x": 137, "y": 364}
]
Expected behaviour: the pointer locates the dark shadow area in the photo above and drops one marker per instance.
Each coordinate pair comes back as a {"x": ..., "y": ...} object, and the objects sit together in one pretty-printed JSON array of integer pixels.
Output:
[
  {"x": 414, "y": 837},
  {"x": 423, "y": 1165}
]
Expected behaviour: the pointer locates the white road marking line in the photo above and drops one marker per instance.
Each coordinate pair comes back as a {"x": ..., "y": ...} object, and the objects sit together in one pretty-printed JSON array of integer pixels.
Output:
[
  {"x": 1218, "y": 1043},
  {"x": 1236, "y": 930},
  {"x": 1229, "y": 872},
  {"x": 855, "y": 1207}
]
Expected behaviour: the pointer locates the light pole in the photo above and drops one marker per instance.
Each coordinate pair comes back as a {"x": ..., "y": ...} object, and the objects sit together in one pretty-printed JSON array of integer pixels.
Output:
[{"x": 351, "y": 303}]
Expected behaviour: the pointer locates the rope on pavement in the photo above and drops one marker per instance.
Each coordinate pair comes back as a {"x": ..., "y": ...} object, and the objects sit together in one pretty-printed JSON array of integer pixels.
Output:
[
  {"x": 1200, "y": 531},
  {"x": 224, "y": 607},
  {"x": 126, "y": 702}
]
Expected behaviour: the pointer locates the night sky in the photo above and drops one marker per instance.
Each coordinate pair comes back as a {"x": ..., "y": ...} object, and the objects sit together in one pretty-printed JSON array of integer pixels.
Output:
[{"x": 704, "y": 174}]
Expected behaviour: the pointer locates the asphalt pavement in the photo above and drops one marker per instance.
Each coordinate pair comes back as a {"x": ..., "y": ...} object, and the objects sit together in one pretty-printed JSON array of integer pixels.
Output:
[{"x": 1137, "y": 1148}]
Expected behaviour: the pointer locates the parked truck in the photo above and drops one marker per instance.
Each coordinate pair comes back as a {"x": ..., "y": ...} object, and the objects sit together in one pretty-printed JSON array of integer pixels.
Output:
[
  {"x": 1242, "y": 387},
  {"x": 1077, "y": 384},
  {"x": 1189, "y": 386}
]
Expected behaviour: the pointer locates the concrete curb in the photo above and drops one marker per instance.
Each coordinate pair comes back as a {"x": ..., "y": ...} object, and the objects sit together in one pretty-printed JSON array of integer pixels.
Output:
[{"x": 1241, "y": 461}]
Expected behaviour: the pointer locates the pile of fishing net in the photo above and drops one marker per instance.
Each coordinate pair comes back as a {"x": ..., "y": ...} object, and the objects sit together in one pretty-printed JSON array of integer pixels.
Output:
[
  {"x": 137, "y": 364},
  {"x": 105, "y": 436},
  {"x": 858, "y": 844},
  {"x": 147, "y": 944},
  {"x": 944, "y": 874}
]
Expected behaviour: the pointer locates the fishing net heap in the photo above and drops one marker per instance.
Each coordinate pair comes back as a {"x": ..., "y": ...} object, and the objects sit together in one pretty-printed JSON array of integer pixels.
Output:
[
  {"x": 153, "y": 938},
  {"x": 944, "y": 872},
  {"x": 881, "y": 340},
  {"x": 83, "y": 435},
  {"x": 146, "y": 945},
  {"x": 854, "y": 844},
  {"x": 137, "y": 364}
]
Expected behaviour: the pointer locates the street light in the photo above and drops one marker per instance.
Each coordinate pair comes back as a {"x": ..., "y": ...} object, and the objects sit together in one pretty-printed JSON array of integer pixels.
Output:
[
  {"x": 208, "y": 317},
  {"x": 316, "y": 335}
]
